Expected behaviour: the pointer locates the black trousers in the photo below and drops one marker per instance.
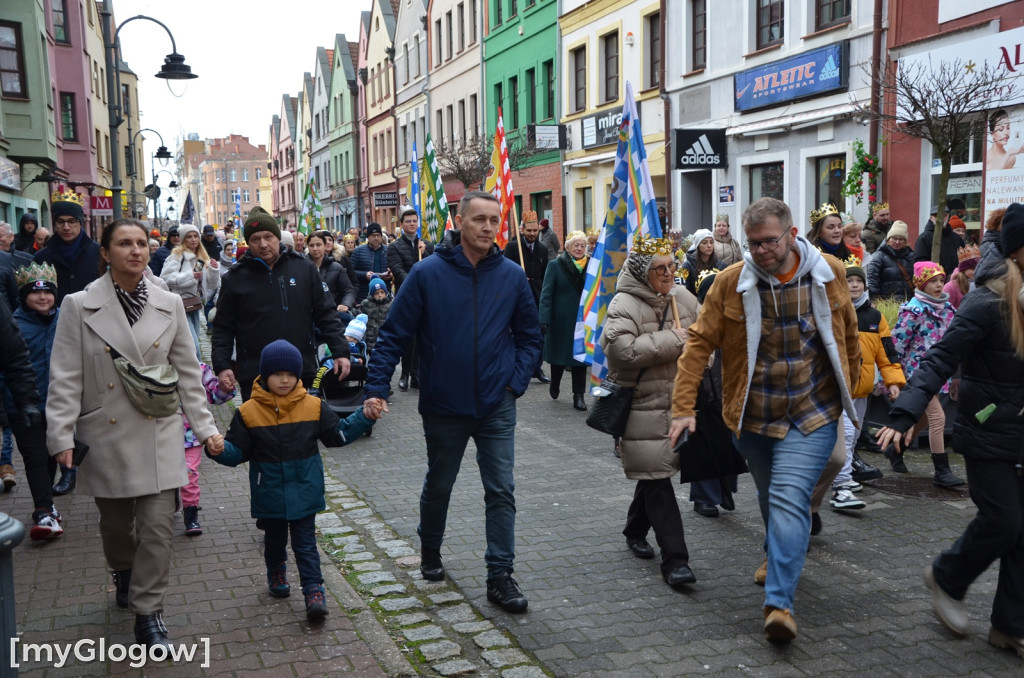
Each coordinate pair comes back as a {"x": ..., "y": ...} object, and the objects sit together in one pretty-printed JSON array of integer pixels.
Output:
[
  {"x": 410, "y": 363},
  {"x": 655, "y": 506},
  {"x": 32, "y": 446},
  {"x": 579, "y": 377},
  {"x": 997, "y": 532}
]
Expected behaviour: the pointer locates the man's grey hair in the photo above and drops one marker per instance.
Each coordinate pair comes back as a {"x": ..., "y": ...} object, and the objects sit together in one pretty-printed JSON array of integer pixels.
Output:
[
  {"x": 6, "y": 228},
  {"x": 759, "y": 211}
]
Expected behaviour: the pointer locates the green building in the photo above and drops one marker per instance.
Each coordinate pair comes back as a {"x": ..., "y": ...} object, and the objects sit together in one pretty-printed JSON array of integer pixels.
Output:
[{"x": 520, "y": 66}]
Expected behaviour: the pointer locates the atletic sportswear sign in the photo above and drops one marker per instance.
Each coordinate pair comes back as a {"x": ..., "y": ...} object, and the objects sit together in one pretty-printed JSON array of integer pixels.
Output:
[
  {"x": 808, "y": 74},
  {"x": 702, "y": 148}
]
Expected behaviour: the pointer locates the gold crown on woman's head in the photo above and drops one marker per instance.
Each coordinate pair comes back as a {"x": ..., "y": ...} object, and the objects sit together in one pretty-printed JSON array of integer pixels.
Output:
[
  {"x": 42, "y": 274},
  {"x": 575, "y": 235},
  {"x": 651, "y": 246},
  {"x": 826, "y": 209},
  {"x": 879, "y": 207},
  {"x": 68, "y": 196}
]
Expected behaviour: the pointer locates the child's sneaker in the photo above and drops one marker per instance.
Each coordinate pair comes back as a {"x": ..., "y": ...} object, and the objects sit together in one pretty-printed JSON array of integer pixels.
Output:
[
  {"x": 316, "y": 604},
  {"x": 277, "y": 581},
  {"x": 47, "y": 524}
]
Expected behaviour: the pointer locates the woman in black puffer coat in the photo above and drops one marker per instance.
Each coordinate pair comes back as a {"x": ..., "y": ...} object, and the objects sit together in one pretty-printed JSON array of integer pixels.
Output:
[
  {"x": 986, "y": 340},
  {"x": 332, "y": 274},
  {"x": 891, "y": 270}
]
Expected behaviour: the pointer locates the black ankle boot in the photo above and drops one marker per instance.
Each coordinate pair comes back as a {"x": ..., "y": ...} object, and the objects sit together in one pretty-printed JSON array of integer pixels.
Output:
[
  {"x": 578, "y": 402},
  {"x": 68, "y": 476},
  {"x": 150, "y": 630},
  {"x": 431, "y": 566},
  {"x": 122, "y": 586},
  {"x": 944, "y": 476}
]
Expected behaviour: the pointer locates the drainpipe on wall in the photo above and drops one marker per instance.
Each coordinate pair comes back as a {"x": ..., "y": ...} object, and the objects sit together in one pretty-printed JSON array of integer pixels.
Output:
[
  {"x": 876, "y": 56},
  {"x": 667, "y": 116}
]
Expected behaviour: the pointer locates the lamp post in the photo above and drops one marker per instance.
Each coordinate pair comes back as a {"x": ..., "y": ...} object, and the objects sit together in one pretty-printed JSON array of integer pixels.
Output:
[
  {"x": 162, "y": 154},
  {"x": 173, "y": 68},
  {"x": 153, "y": 191}
]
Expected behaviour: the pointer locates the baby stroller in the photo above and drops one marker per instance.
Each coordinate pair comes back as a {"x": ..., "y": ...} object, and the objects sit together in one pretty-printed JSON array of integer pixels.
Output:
[{"x": 343, "y": 396}]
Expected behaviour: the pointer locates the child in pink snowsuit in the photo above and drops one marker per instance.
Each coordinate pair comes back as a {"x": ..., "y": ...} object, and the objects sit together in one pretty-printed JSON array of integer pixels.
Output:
[{"x": 194, "y": 454}]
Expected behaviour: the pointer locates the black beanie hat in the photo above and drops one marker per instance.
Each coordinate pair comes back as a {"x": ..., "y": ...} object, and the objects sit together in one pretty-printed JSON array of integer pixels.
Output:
[
  {"x": 258, "y": 220},
  {"x": 280, "y": 356},
  {"x": 1013, "y": 229},
  {"x": 66, "y": 209}
]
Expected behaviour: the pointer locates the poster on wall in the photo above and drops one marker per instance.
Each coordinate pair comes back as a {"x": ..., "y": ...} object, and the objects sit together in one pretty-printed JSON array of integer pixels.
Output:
[
  {"x": 1004, "y": 158},
  {"x": 726, "y": 196}
]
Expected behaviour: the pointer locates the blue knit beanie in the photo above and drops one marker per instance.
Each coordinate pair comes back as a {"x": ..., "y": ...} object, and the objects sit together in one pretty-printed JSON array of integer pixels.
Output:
[
  {"x": 280, "y": 356},
  {"x": 377, "y": 284}
]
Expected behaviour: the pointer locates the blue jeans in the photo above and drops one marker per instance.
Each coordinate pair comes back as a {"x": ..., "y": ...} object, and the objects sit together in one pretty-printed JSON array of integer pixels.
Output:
[
  {"x": 7, "y": 454},
  {"x": 307, "y": 558},
  {"x": 194, "y": 328},
  {"x": 495, "y": 455},
  {"x": 785, "y": 472}
]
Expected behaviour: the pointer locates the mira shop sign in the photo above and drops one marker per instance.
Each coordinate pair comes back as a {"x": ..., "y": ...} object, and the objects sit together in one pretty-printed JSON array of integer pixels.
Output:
[
  {"x": 602, "y": 129},
  {"x": 812, "y": 73},
  {"x": 699, "y": 148}
]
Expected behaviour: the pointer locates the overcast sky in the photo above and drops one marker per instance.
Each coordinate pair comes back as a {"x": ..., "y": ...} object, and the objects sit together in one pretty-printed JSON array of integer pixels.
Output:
[{"x": 246, "y": 54}]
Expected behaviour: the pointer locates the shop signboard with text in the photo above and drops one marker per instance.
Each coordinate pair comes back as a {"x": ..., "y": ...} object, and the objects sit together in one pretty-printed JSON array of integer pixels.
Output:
[
  {"x": 808, "y": 74},
  {"x": 700, "y": 148}
]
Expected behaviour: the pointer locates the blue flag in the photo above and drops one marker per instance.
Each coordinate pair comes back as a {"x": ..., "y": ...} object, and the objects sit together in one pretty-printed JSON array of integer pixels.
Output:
[
  {"x": 631, "y": 208},
  {"x": 414, "y": 179}
]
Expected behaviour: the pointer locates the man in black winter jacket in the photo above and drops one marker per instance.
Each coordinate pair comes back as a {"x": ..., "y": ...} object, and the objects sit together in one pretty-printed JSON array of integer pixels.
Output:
[
  {"x": 270, "y": 294},
  {"x": 404, "y": 253},
  {"x": 951, "y": 242},
  {"x": 71, "y": 251},
  {"x": 156, "y": 262},
  {"x": 535, "y": 256}
]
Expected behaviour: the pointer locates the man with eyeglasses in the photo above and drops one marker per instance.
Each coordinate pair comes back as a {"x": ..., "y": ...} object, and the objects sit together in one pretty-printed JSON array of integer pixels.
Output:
[
  {"x": 787, "y": 329},
  {"x": 75, "y": 256}
]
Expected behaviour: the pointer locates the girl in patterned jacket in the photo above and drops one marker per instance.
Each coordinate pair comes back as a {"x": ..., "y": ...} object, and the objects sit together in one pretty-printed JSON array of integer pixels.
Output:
[{"x": 921, "y": 324}]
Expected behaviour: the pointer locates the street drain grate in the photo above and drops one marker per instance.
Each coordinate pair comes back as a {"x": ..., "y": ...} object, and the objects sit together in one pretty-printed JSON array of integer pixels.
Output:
[{"x": 911, "y": 486}]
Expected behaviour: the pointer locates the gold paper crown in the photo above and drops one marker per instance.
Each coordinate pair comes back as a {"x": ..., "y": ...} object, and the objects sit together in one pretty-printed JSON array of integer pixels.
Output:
[
  {"x": 593, "y": 233},
  {"x": 722, "y": 216},
  {"x": 703, "y": 276},
  {"x": 847, "y": 219},
  {"x": 969, "y": 251},
  {"x": 822, "y": 212},
  {"x": 573, "y": 235},
  {"x": 529, "y": 217},
  {"x": 651, "y": 246},
  {"x": 33, "y": 273},
  {"x": 68, "y": 196},
  {"x": 852, "y": 261},
  {"x": 879, "y": 206},
  {"x": 927, "y": 273}
]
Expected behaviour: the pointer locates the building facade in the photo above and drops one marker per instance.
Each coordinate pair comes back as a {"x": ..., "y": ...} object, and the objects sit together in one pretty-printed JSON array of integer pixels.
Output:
[
  {"x": 320, "y": 150},
  {"x": 344, "y": 195},
  {"x": 231, "y": 171},
  {"x": 412, "y": 84},
  {"x": 379, "y": 102},
  {"x": 520, "y": 66}
]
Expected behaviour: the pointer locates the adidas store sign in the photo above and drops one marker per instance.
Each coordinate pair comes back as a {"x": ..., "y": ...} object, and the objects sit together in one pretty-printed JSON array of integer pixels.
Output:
[{"x": 700, "y": 148}]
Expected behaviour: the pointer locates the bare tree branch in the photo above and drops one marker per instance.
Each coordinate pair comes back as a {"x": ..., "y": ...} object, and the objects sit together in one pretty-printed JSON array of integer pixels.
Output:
[
  {"x": 942, "y": 103},
  {"x": 469, "y": 160}
]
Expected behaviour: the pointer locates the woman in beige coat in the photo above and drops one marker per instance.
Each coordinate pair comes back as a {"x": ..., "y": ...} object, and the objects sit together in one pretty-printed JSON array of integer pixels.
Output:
[
  {"x": 640, "y": 334},
  {"x": 136, "y": 462}
]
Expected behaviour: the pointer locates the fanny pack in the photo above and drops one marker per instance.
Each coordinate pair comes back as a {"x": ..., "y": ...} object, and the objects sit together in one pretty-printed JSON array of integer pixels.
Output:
[{"x": 152, "y": 389}]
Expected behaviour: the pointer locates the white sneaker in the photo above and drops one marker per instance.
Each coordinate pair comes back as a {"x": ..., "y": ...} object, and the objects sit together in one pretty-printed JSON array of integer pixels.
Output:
[
  {"x": 851, "y": 485},
  {"x": 844, "y": 499},
  {"x": 47, "y": 526}
]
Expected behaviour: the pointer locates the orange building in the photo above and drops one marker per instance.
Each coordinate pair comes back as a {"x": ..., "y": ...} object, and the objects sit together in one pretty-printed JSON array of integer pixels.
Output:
[{"x": 230, "y": 172}]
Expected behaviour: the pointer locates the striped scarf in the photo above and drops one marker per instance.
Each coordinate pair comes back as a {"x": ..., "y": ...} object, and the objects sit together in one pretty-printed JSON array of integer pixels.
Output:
[{"x": 134, "y": 302}]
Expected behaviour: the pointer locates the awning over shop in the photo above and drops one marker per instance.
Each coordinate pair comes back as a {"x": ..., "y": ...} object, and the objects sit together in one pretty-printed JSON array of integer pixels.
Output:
[{"x": 785, "y": 123}]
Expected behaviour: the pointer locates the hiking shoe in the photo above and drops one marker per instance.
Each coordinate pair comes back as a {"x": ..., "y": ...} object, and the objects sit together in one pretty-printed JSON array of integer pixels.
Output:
[
  {"x": 504, "y": 591},
  {"x": 761, "y": 576},
  {"x": 779, "y": 625},
  {"x": 192, "y": 527},
  {"x": 844, "y": 499},
  {"x": 316, "y": 604},
  {"x": 277, "y": 581},
  {"x": 47, "y": 525}
]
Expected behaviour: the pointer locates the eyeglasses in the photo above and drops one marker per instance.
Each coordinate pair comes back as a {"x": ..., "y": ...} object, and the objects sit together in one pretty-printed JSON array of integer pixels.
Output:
[
  {"x": 766, "y": 245},
  {"x": 664, "y": 269},
  {"x": 66, "y": 221}
]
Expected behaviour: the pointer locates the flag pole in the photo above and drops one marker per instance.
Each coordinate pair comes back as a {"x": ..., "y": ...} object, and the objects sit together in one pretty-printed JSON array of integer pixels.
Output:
[{"x": 519, "y": 240}]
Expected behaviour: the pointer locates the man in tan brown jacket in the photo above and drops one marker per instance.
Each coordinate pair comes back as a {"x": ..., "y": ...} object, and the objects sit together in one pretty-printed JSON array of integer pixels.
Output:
[{"x": 788, "y": 333}]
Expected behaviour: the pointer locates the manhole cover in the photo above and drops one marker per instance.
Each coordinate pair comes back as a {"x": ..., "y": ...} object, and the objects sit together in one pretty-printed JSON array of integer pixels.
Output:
[{"x": 912, "y": 486}]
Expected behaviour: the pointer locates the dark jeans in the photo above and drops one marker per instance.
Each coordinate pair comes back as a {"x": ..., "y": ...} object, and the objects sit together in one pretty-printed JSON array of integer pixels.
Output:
[
  {"x": 32, "y": 445},
  {"x": 711, "y": 491},
  {"x": 307, "y": 558},
  {"x": 495, "y": 455},
  {"x": 997, "y": 532},
  {"x": 410, "y": 363},
  {"x": 654, "y": 506},
  {"x": 579, "y": 377}
]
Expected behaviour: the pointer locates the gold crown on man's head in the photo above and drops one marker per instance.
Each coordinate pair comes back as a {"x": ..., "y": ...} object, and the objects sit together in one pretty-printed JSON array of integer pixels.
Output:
[
  {"x": 651, "y": 246},
  {"x": 826, "y": 209},
  {"x": 68, "y": 196},
  {"x": 42, "y": 274},
  {"x": 879, "y": 207}
]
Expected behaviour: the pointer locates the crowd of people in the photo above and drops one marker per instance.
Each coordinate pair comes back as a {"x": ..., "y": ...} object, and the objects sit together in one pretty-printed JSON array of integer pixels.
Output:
[{"x": 777, "y": 341}]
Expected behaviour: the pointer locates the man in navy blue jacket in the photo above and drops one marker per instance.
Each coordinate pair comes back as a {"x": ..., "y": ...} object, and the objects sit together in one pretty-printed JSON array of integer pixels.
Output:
[{"x": 473, "y": 312}]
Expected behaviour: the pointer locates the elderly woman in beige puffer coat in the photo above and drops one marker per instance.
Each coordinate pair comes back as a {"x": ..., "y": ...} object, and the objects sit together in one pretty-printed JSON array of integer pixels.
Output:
[{"x": 641, "y": 340}]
